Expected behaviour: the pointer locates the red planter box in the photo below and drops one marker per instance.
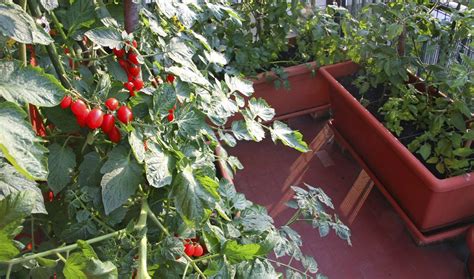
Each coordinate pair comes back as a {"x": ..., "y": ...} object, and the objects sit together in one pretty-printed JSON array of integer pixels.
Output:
[
  {"x": 430, "y": 203},
  {"x": 308, "y": 91}
]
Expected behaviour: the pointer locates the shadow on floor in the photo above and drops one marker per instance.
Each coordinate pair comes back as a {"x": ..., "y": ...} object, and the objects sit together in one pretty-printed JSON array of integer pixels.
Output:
[{"x": 381, "y": 246}]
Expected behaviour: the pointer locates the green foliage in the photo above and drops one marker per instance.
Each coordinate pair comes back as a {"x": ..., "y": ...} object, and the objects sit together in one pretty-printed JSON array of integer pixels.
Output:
[
  {"x": 17, "y": 82},
  {"x": 19, "y": 144},
  {"x": 121, "y": 177},
  {"x": 115, "y": 207},
  {"x": 20, "y": 26},
  {"x": 61, "y": 163},
  {"x": 391, "y": 38}
]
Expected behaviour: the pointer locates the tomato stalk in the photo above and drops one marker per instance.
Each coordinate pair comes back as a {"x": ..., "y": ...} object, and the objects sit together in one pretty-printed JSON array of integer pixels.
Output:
[
  {"x": 142, "y": 249},
  {"x": 51, "y": 49},
  {"x": 285, "y": 265},
  {"x": 160, "y": 225},
  {"x": 61, "y": 249},
  {"x": 23, "y": 46},
  {"x": 59, "y": 27}
]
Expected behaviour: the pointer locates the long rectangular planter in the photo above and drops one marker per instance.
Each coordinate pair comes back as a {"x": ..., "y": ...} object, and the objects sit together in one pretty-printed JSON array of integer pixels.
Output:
[
  {"x": 429, "y": 202},
  {"x": 308, "y": 91}
]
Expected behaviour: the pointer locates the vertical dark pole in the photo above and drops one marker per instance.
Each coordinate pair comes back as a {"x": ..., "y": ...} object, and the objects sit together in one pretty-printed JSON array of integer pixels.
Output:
[{"x": 130, "y": 15}]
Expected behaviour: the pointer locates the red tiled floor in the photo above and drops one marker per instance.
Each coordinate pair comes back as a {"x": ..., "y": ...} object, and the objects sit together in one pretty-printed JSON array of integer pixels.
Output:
[{"x": 381, "y": 246}]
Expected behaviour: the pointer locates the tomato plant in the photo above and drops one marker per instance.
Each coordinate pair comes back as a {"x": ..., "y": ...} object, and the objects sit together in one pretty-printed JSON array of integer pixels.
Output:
[{"x": 117, "y": 177}]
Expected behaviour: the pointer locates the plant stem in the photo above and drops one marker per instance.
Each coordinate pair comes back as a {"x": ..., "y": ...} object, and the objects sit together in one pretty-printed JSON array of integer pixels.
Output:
[
  {"x": 9, "y": 271},
  {"x": 61, "y": 249},
  {"x": 61, "y": 257},
  {"x": 51, "y": 49},
  {"x": 185, "y": 270},
  {"x": 23, "y": 46},
  {"x": 59, "y": 27},
  {"x": 206, "y": 258},
  {"x": 293, "y": 218},
  {"x": 91, "y": 58},
  {"x": 160, "y": 225},
  {"x": 285, "y": 265},
  {"x": 142, "y": 249},
  {"x": 32, "y": 221},
  {"x": 94, "y": 217}
]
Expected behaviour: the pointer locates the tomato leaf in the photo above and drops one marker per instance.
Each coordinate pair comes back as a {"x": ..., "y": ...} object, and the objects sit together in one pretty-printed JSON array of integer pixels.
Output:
[
  {"x": 11, "y": 181},
  {"x": 75, "y": 265},
  {"x": 97, "y": 269},
  {"x": 106, "y": 37},
  {"x": 15, "y": 23},
  {"x": 89, "y": 170},
  {"x": 259, "y": 108},
  {"x": 236, "y": 252},
  {"x": 31, "y": 85},
  {"x": 61, "y": 162},
  {"x": 15, "y": 207},
  {"x": 49, "y": 5},
  {"x": 157, "y": 166},
  {"x": 193, "y": 200},
  {"x": 259, "y": 268},
  {"x": 19, "y": 144},
  {"x": 288, "y": 137},
  {"x": 8, "y": 250},
  {"x": 236, "y": 84},
  {"x": 122, "y": 175}
]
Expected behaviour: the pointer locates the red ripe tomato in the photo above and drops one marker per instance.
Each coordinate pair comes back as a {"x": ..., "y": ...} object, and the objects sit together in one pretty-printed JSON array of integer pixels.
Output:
[
  {"x": 95, "y": 118},
  {"x": 170, "y": 78},
  {"x": 66, "y": 102},
  {"x": 129, "y": 86},
  {"x": 189, "y": 249},
  {"x": 114, "y": 135},
  {"x": 112, "y": 104},
  {"x": 119, "y": 52},
  {"x": 78, "y": 107},
  {"x": 82, "y": 118},
  {"x": 134, "y": 70},
  {"x": 134, "y": 44},
  {"x": 124, "y": 114},
  {"x": 138, "y": 84},
  {"x": 29, "y": 246},
  {"x": 50, "y": 196},
  {"x": 108, "y": 123},
  {"x": 198, "y": 251},
  {"x": 170, "y": 116},
  {"x": 123, "y": 64},
  {"x": 133, "y": 58}
]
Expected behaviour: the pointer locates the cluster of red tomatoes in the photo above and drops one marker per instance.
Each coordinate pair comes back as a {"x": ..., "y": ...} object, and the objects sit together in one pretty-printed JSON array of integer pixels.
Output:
[
  {"x": 96, "y": 118},
  {"x": 193, "y": 248},
  {"x": 130, "y": 64},
  {"x": 49, "y": 196}
]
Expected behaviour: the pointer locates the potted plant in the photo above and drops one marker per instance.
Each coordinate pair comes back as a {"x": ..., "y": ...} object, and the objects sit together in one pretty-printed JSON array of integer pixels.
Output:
[
  {"x": 284, "y": 70},
  {"x": 120, "y": 178},
  {"x": 412, "y": 132}
]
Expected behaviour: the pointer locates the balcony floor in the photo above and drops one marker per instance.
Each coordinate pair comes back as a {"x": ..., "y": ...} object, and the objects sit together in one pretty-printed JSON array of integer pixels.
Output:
[{"x": 381, "y": 245}]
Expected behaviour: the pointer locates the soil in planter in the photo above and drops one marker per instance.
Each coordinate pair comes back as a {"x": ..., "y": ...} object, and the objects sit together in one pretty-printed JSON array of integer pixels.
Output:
[{"x": 373, "y": 101}]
